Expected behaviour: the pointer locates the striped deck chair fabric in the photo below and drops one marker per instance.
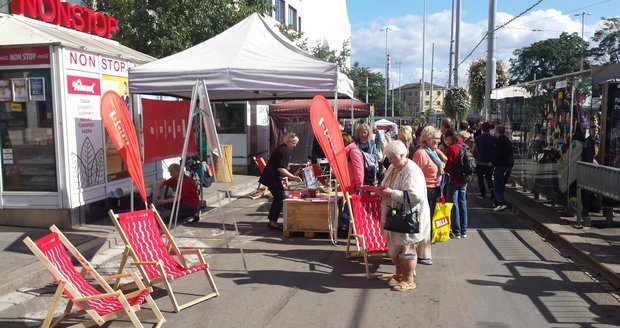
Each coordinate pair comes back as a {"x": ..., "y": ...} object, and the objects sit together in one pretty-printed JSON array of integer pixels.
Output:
[
  {"x": 53, "y": 249},
  {"x": 365, "y": 228},
  {"x": 101, "y": 304},
  {"x": 145, "y": 238},
  {"x": 156, "y": 254}
]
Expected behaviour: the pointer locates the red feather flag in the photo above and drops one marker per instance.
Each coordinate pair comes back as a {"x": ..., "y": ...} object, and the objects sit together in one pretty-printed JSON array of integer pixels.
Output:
[
  {"x": 327, "y": 132},
  {"x": 119, "y": 125}
]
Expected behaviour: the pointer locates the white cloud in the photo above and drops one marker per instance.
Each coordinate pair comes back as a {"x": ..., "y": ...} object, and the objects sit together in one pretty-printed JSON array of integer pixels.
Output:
[{"x": 405, "y": 41}]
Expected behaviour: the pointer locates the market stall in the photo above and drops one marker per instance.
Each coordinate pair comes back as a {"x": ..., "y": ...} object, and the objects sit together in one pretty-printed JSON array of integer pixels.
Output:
[{"x": 58, "y": 166}]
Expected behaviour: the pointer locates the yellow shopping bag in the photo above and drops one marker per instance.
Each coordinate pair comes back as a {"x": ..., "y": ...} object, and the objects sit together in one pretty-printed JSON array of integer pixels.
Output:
[{"x": 441, "y": 221}]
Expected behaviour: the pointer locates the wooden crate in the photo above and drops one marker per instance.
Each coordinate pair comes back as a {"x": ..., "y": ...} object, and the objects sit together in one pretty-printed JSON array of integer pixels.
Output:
[{"x": 306, "y": 216}]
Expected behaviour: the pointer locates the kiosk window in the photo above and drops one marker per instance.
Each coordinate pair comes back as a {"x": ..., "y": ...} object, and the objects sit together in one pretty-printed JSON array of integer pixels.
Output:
[
  {"x": 26, "y": 131},
  {"x": 230, "y": 117}
]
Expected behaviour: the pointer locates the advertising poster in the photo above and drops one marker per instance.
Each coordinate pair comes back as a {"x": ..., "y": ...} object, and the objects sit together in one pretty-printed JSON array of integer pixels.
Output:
[
  {"x": 612, "y": 135},
  {"x": 5, "y": 90},
  {"x": 20, "y": 90},
  {"x": 116, "y": 169},
  {"x": 165, "y": 124},
  {"x": 36, "y": 89},
  {"x": 83, "y": 117}
]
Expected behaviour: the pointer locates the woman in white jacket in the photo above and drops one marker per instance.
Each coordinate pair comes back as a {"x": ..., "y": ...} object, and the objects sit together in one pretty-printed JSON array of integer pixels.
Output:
[{"x": 402, "y": 176}]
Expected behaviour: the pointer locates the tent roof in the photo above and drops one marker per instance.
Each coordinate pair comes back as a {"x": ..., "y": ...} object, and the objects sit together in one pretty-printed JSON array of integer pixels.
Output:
[
  {"x": 16, "y": 30},
  {"x": 250, "y": 60},
  {"x": 301, "y": 108}
]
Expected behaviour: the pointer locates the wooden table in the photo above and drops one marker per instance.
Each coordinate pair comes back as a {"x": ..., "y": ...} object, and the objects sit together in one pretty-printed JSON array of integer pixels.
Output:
[{"x": 309, "y": 216}]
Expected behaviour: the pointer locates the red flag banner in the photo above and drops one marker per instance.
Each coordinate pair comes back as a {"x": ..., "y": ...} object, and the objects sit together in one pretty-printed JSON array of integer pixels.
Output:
[
  {"x": 165, "y": 123},
  {"x": 119, "y": 125},
  {"x": 327, "y": 133}
]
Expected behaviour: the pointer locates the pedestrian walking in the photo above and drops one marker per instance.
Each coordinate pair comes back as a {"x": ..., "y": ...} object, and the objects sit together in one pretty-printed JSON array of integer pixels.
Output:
[
  {"x": 431, "y": 164},
  {"x": 503, "y": 160},
  {"x": 404, "y": 176},
  {"x": 457, "y": 188},
  {"x": 483, "y": 151}
]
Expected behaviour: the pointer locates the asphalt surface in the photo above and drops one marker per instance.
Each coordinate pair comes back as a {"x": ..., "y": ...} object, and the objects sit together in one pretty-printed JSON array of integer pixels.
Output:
[{"x": 505, "y": 274}]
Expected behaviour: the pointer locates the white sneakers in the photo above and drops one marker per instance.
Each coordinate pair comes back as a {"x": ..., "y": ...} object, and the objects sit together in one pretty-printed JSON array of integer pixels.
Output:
[{"x": 500, "y": 208}]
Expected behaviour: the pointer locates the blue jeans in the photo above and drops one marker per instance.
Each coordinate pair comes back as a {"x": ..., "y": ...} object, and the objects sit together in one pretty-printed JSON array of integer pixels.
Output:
[
  {"x": 501, "y": 176},
  {"x": 457, "y": 194}
]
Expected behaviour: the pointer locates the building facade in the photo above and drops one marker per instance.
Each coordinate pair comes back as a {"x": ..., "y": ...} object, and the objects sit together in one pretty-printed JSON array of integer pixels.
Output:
[{"x": 410, "y": 95}]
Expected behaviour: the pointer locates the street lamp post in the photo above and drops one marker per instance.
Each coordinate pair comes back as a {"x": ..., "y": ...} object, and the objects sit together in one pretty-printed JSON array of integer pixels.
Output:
[
  {"x": 399, "y": 85},
  {"x": 387, "y": 77},
  {"x": 582, "y": 14}
]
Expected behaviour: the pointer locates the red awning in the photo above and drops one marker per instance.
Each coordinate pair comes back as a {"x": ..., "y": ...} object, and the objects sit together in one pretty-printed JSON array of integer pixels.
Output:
[{"x": 300, "y": 108}]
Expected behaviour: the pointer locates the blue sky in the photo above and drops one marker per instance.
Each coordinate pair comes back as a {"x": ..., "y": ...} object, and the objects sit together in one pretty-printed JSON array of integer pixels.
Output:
[{"x": 546, "y": 20}]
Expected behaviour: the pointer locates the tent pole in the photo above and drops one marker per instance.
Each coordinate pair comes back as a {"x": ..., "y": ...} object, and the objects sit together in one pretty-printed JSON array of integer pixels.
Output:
[{"x": 175, "y": 205}]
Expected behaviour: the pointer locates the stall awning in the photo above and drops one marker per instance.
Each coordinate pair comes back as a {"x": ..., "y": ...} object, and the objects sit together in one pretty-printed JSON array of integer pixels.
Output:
[
  {"x": 16, "y": 30},
  {"x": 299, "y": 108}
]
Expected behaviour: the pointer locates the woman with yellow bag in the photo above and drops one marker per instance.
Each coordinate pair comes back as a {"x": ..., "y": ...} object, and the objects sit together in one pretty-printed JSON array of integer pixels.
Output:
[{"x": 432, "y": 162}]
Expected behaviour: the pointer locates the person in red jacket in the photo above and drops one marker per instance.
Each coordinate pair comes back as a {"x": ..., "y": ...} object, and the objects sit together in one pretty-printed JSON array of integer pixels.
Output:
[
  {"x": 189, "y": 203},
  {"x": 457, "y": 189}
]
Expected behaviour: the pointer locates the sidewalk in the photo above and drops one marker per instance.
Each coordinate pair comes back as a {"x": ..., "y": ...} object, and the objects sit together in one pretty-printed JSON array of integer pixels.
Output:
[
  {"x": 597, "y": 247},
  {"x": 20, "y": 268}
]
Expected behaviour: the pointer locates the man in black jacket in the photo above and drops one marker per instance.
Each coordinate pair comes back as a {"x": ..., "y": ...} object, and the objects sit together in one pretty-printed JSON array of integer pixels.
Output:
[{"x": 503, "y": 160}]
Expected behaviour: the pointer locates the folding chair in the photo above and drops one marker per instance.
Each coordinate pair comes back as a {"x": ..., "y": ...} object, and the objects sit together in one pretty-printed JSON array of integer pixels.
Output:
[
  {"x": 260, "y": 163},
  {"x": 101, "y": 307},
  {"x": 365, "y": 228},
  {"x": 141, "y": 232}
]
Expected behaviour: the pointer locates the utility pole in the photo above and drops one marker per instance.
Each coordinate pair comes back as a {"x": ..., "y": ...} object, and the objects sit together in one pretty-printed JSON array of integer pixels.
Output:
[
  {"x": 583, "y": 14},
  {"x": 457, "y": 21},
  {"x": 423, "y": 51},
  {"x": 490, "y": 81},
  {"x": 451, "y": 56},
  {"x": 386, "y": 29},
  {"x": 430, "y": 100}
]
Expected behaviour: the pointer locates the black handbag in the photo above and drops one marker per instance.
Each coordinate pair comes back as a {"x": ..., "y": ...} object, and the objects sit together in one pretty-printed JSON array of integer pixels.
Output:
[{"x": 398, "y": 220}]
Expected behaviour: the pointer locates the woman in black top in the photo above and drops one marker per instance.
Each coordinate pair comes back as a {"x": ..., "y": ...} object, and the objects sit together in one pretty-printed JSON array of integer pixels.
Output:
[{"x": 275, "y": 170}]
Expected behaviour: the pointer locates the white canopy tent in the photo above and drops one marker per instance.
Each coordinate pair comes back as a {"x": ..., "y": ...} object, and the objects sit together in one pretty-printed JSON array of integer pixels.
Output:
[{"x": 249, "y": 61}]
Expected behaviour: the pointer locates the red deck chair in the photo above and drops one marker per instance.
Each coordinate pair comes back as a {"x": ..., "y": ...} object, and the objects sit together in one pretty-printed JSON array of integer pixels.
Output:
[
  {"x": 51, "y": 250},
  {"x": 365, "y": 228},
  {"x": 141, "y": 232},
  {"x": 319, "y": 174},
  {"x": 260, "y": 162}
]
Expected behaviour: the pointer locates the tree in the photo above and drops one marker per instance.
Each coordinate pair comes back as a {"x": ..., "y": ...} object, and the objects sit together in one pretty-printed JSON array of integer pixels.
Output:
[
  {"x": 376, "y": 85},
  {"x": 477, "y": 80},
  {"x": 608, "y": 38},
  {"x": 548, "y": 58},
  {"x": 164, "y": 27},
  {"x": 456, "y": 103}
]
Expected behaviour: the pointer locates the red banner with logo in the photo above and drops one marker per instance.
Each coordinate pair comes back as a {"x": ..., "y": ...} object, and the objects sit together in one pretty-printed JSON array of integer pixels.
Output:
[
  {"x": 165, "y": 123},
  {"x": 119, "y": 125},
  {"x": 24, "y": 56},
  {"x": 327, "y": 133}
]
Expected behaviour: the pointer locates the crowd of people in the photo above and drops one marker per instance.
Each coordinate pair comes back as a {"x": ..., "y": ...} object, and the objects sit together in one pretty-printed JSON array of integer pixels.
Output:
[{"x": 420, "y": 163}]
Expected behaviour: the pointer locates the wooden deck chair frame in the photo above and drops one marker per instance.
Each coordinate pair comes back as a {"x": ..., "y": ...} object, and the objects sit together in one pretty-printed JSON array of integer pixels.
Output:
[
  {"x": 65, "y": 286},
  {"x": 260, "y": 163},
  {"x": 164, "y": 277},
  {"x": 360, "y": 241}
]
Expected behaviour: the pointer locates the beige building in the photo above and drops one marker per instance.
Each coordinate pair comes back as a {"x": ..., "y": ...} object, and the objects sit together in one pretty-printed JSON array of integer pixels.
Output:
[{"x": 410, "y": 95}]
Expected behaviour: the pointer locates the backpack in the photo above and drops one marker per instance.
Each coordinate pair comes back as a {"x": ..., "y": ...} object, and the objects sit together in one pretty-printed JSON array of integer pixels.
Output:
[
  {"x": 466, "y": 165},
  {"x": 369, "y": 167}
]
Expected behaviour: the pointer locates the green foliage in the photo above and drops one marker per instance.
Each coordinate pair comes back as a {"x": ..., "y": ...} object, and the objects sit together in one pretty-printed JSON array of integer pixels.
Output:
[
  {"x": 548, "y": 58},
  {"x": 376, "y": 86},
  {"x": 456, "y": 103},
  {"x": 477, "y": 80},
  {"x": 164, "y": 27},
  {"x": 608, "y": 38}
]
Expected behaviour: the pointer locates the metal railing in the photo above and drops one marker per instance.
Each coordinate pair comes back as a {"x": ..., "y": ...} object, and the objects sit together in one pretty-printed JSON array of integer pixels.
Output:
[{"x": 599, "y": 179}]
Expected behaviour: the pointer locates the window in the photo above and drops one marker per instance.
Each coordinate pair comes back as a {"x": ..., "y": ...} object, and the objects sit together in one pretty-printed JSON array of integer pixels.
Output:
[
  {"x": 426, "y": 102},
  {"x": 439, "y": 93},
  {"x": 426, "y": 92},
  {"x": 26, "y": 131},
  {"x": 438, "y": 103},
  {"x": 230, "y": 117},
  {"x": 292, "y": 18},
  {"x": 279, "y": 11}
]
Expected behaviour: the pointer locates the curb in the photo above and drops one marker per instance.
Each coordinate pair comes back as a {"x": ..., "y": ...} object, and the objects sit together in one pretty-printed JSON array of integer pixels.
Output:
[{"x": 536, "y": 214}]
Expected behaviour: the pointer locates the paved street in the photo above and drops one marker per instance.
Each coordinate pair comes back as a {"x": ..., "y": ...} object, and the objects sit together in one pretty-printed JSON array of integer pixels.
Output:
[{"x": 502, "y": 275}]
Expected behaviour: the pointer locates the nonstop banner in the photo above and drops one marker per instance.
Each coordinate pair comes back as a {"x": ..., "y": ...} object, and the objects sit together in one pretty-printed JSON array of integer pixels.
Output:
[
  {"x": 165, "y": 123},
  {"x": 119, "y": 125},
  {"x": 327, "y": 132}
]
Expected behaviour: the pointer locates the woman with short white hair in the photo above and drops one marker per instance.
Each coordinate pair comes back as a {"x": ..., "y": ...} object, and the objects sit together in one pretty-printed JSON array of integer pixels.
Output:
[{"x": 402, "y": 176}]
